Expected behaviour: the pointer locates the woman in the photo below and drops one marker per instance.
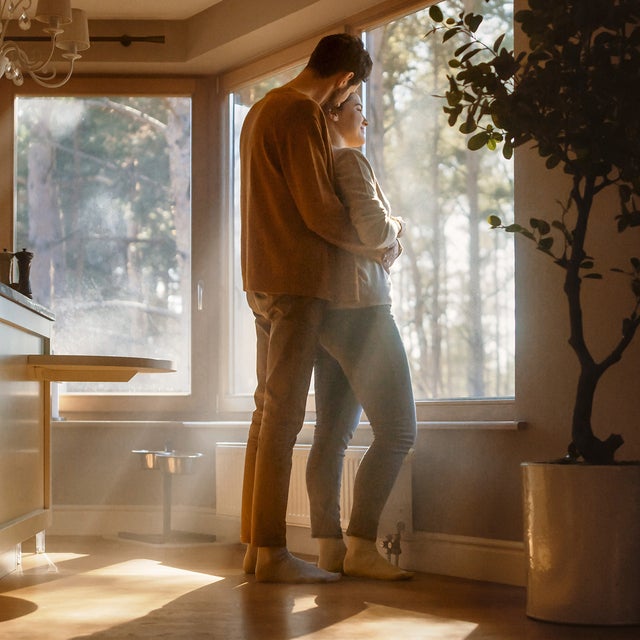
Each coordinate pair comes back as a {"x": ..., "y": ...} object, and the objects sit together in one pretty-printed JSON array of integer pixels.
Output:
[{"x": 361, "y": 364}]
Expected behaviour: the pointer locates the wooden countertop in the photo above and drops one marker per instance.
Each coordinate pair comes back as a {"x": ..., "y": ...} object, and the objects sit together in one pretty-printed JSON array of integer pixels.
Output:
[{"x": 80, "y": 368}]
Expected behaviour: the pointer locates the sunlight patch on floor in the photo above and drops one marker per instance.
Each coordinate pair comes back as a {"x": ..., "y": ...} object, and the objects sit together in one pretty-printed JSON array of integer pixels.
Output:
[
  {"x": 304, "y": 604},
  {"x": 47, "y": 562},
  {"x": 377, "y": 620},
  {"x": 95, "y": 600}
]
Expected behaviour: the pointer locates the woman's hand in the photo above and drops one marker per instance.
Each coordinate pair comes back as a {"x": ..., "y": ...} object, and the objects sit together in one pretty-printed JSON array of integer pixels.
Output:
[
  {"x": 390, "y": 255},
  {"x": 401, "y": 224}
]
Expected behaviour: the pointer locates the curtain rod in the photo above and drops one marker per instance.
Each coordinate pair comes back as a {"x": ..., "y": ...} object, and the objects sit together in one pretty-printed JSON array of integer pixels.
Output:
[{"x": 124, "y": 40}]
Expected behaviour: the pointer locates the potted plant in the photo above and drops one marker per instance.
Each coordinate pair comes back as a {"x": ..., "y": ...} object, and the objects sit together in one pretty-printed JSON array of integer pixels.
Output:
[{"x": 572, "y": 94}]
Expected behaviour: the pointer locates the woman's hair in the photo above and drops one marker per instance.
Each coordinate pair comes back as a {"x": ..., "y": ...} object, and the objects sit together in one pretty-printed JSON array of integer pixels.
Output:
[
  {"x": 341, "y": 52},
  {"x": 336, "y": 109}
]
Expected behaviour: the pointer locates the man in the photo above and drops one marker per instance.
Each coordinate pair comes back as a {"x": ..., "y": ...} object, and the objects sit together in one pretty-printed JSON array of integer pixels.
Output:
[{"x": 292, "y": 226}]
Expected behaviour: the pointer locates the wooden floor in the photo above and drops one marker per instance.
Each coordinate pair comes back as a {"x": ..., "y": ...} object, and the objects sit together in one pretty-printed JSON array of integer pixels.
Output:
[{"x": 115, "y": 589}]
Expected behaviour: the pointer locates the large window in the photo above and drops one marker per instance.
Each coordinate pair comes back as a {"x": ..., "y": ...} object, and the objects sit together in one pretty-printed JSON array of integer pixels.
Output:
[
  {"x": 241, "y": 368},
  {"x": 453, "y": 286},
  {"x": 103, "y": 200}
]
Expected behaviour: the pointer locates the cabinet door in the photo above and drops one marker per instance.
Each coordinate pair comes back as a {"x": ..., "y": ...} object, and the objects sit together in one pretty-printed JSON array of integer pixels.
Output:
[{"x": 24, "y": 437}]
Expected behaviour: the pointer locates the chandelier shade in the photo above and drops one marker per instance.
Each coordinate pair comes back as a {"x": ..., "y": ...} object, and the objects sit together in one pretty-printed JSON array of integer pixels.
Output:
[
  {"x": 54, "y": 11},
  {"x": 75, "y": 36}
]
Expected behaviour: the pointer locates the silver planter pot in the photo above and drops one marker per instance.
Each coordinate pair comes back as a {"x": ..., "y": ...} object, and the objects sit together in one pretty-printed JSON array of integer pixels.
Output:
[{"x": 582, "y": 542}]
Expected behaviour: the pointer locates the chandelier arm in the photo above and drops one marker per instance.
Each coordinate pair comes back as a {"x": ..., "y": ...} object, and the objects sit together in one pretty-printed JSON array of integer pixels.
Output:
[
  {"x": 26, "y": 64},
  {"x": 5, "y": 25},
  {"x": 42, "y": 80}
]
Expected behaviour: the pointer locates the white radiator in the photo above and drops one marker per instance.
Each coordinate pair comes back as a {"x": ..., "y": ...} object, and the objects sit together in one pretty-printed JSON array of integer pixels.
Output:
[{"x": 229, "y": 471}]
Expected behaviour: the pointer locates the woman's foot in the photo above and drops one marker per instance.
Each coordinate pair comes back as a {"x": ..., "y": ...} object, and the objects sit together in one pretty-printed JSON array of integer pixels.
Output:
[
  {"x": 331, "y": 553},
  {"x": 364, "y": 561},
  {"x": 276, "y": 564}
]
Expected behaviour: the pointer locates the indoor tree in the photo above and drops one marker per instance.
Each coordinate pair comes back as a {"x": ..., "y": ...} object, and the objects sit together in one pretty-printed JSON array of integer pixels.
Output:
[{"x": 573, "y": 94}]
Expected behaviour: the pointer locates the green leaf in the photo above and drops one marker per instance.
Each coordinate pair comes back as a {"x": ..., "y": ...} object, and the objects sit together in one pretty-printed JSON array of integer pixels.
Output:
[
  {"x": 556, "y": 224},
  {"x": 541, "y": 225},
  {"x": 435, "y": 13},
  {"x": 449, "y": 33},
  {"x": 473, "y": 21},
  {"x": 468, "y": 127},
  {"x": 545, "y": 244},
  {"x": 478, "y": 141},
  {"x": 552, "y": 161},
  {"x": 462, "y": 49},
  {"x": 453, "y": 97},
  {"x": 453, "y": 112},
  {"x": 498, "y": 42},
  {"x": 494, "y": 221},
  {"x": 470, "y": 54}
]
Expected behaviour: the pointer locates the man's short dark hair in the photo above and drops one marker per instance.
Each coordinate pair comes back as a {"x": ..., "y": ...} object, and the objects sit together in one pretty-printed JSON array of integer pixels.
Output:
[{"x": 341, "y": 52}]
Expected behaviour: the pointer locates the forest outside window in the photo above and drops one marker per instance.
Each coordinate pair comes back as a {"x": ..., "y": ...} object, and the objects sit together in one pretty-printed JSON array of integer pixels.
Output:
[
  {"x": 453, "y": 286},
  {"x": 102, "y": 195}
]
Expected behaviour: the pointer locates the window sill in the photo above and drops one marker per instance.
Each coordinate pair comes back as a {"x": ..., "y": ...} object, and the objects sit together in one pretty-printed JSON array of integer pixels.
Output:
[
  {"x": 485, "y": 413},
  {"x": 472, "y": 425}
]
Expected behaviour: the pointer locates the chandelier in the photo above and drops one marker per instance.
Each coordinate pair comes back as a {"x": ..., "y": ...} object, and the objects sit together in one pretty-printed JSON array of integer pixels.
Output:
[{"x": 65, "y": 28}]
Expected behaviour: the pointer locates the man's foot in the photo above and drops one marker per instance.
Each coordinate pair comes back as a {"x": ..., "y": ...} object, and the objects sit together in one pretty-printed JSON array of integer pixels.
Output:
[
  {"x": 250, "y": 558},
  {"x": 276, "y": 564},
  {"x": 364, "y": 561},
  {"x": 331, "y": 554}
]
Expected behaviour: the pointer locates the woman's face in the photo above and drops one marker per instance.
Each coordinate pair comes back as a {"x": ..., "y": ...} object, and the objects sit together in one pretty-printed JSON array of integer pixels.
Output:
[{"x": 350, "y": 122}]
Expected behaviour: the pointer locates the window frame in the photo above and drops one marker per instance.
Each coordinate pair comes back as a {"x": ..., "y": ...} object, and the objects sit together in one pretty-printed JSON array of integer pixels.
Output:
[
  {"x": 209, "y": 399},
  {"x": 200, "y": 403},
  {"x": 480, "y": 413}
]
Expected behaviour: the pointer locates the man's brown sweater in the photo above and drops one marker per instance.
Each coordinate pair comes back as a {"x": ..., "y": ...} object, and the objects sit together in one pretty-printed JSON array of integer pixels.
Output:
[{"x": 292, "y": 219}]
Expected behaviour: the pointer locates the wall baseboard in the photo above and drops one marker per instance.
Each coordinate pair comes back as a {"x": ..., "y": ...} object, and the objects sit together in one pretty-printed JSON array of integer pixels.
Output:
[
  {"x": 500, "y": 561},
  {"x": 109, "y": 521}
]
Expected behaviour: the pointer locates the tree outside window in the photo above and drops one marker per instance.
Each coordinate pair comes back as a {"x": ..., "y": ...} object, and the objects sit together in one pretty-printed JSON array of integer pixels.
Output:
[
  {"x": 453, "y": 286},
  {"x": 103, "y": 200}
]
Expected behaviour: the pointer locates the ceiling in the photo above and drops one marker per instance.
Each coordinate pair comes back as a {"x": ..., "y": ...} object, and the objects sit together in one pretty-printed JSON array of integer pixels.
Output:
[
  {"x": 199, "y": 37},
  {"x": 142, "y": 9},
  {"x": 184, "y": 36}
]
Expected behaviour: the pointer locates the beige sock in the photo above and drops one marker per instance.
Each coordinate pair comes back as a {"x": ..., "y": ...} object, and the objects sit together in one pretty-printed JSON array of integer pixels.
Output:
[
  {"x": 276, "y": 564},
  {"x": 364, "y": 560},
  {"x": 331, "y": 554}
]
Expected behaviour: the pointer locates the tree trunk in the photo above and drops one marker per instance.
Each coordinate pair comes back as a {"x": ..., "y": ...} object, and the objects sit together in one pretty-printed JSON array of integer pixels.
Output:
[{"x": 585, "y": 443}]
